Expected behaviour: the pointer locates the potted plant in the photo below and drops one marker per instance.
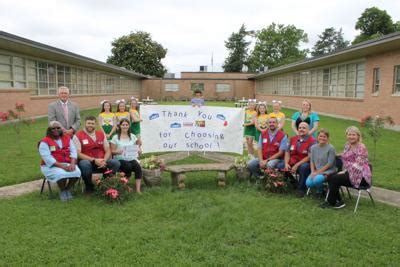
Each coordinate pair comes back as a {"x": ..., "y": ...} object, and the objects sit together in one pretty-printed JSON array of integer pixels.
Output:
[
  {"x": 113, "y": 187},
  {"x": 275, "y": 181},
  {"x": 152, "y": 168},
  {"x": 242, "y": 173}
]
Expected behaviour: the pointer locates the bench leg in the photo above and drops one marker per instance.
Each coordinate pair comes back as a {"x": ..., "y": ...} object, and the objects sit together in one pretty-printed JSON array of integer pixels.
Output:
[
  {"x": 181, "y": 180},
  {"x": 174, "y": 179},
  {"x": 221, "y": 179}
]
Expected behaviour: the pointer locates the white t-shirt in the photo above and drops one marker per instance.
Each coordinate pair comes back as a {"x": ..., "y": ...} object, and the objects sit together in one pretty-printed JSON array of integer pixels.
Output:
[{"x": 128, "y": 146}]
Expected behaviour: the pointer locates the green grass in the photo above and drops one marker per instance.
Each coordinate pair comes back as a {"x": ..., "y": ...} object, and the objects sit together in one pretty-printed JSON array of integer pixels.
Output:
[
  {"x": 17, "y": 166},
  {"x": 202, "y": 225}
]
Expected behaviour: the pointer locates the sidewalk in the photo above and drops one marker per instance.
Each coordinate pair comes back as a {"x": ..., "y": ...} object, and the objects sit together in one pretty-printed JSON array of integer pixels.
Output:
[{"x": 386, "y": 196}]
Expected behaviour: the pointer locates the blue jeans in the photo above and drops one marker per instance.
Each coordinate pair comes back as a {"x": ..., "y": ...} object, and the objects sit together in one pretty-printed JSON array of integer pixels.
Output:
[
  {"x": 317, "y": 182},
  {"x": 254, "y": 166},
  {"x": 88, "y": 168},
  {"x": 303, "y": 170}
]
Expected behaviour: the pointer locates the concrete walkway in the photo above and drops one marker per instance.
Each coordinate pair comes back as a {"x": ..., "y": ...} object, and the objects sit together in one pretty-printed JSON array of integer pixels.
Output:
[{"x": 386, "y": 196}]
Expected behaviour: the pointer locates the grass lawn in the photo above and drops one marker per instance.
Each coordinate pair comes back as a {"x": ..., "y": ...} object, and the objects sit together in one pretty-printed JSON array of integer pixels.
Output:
[
  {"x": 202, "y": 225},
  {"x": 17, "y": 166}
]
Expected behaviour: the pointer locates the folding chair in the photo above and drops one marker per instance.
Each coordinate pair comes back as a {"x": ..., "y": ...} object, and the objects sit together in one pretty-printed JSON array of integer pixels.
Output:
[
  {"x": 48, "y": 185},
  {"x": 366, "y": 188}
]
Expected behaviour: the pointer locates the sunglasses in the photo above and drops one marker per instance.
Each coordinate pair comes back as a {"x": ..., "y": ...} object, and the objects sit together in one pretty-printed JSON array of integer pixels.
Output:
[{"x": 56, "y": 128}]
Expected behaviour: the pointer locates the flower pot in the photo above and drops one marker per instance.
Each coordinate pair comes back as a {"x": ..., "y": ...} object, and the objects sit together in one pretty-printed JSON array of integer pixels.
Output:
[
  {"x": 242, "y": 173},
  {"x": 152, "y": 177}
]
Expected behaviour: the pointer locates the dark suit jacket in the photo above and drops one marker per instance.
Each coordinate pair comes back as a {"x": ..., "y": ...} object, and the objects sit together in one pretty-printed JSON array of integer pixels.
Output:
[{"x": 56, "y": 113}]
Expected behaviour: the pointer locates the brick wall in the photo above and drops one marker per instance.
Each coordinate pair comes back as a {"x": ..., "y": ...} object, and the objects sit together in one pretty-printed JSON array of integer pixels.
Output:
[
  {"x": 383, "y": 104},
  {"x": 37, "y": 106}
]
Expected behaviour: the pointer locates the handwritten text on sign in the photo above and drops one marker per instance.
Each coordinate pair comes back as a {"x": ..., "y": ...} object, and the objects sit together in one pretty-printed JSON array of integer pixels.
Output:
[{"x": 187, "y": 128}]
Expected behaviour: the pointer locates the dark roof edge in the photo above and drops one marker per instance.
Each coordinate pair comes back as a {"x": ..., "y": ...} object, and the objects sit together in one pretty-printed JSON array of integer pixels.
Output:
[
  {"x": 365, "y": 44},
  {"x": 53, "y": 49}
]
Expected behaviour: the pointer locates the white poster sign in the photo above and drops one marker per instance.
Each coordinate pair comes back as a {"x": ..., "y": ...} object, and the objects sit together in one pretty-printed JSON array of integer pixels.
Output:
[{"x": 187, "y": 128}]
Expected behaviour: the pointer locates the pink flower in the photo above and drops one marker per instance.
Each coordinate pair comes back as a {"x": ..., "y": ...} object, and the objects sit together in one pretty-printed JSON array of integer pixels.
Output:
[
  {"x": 19, "y": 106},
  {"x": 124, "y": 180},
  {"x": 4, "y": 116},
  {"x": 268, "y": 170},
  {"x": 273, "y": 175},
  {"x": 275, "y": 184},
  {"x": 112, "y": 192},
  {"x": 108, "y": 171}
]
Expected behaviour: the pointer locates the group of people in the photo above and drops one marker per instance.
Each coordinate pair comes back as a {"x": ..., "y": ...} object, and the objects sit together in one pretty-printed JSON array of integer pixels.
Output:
[
  {"x": 308, "y": 154},
  {"x": 69, "y": 153}
]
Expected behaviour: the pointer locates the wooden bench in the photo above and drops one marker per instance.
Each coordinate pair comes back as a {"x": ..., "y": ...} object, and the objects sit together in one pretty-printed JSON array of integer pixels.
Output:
[{"x": 178, "y": 172}]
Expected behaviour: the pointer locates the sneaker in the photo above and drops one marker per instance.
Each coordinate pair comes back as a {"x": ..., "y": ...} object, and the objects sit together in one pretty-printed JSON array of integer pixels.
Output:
[
  {"x": 339, "y": 205},
  {"x": 63, "y": 196},
  {"x": 300, "y": 194},
  {"x": 325, "y": 205}
]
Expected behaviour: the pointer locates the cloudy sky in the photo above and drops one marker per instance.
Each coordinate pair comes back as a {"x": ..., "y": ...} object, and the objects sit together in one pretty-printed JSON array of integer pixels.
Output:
[{"x": 192, "y": 31}]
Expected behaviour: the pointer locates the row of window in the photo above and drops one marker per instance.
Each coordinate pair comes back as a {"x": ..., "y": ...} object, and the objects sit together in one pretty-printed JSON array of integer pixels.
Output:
[
  {"x": 377, "y": 80},
  {"x": 344, "y": 80},
  {"x": 219, "y": 87},
  {"x": 43, "y": 78}
]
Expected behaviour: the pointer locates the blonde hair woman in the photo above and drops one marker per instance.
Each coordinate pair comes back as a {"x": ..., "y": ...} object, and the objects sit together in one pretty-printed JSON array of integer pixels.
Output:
[
  {"x": 356, "y": 169},
  {"x": 305, "y": 115}
]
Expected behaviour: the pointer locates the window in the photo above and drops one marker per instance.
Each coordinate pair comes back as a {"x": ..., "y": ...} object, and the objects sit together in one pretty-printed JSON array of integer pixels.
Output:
[
  {"x": 12, "y": 72},
  {"x": 396, "y": 84},
  {"x": 171, "y": 87},
  {"x": 377, "y": 81},
  {"x": 360, "y": 77},
  {"x": 222, "y": 87},
  {"x": 197, "y": 86}
]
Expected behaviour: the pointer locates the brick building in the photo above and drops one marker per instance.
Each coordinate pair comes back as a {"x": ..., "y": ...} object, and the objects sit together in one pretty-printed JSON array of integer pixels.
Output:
[{"x": 360, "y": 80}]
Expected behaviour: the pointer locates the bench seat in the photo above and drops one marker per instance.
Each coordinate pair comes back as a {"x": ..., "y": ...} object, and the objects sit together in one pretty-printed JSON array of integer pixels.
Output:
[{"x": 178, "y": 172}]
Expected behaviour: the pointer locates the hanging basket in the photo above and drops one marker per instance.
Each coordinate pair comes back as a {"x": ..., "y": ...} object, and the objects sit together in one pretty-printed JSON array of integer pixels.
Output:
[{"x": 152, "y": 177}]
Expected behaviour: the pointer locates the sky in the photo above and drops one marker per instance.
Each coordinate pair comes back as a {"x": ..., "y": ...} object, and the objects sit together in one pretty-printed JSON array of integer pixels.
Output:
[{"x": 193, "y": 32}]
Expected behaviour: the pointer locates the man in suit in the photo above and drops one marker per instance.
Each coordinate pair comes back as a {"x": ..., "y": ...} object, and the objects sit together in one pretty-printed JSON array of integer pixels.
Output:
[{"x": 65, "y": 112}]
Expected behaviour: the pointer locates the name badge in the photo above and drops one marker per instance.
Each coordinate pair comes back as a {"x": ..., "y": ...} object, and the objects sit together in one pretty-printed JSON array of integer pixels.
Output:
[
  {"x": 292, "y": 147},
  {"x": 305, "y": 152},
  {"x": 52, "y": 148},
  {"x": 277, "y": 144},
  {"x": 265, "y": 140},
  {"x": 85, "y": 141}
]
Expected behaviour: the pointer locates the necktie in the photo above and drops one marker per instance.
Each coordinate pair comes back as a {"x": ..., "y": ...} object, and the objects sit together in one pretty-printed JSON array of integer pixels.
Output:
[{"x": 65, "y": 108}]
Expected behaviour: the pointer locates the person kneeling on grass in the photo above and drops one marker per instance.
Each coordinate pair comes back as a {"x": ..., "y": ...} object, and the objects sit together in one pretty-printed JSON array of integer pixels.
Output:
[
  {"x": 59, "y": 157},
  {"x": 94, "y": 153},
  {"x": 271, "y": 147},
  {"x": 322, "y": 162},
  {"x": 125, "y": 147},
  {"x": 357, "y": 171}
]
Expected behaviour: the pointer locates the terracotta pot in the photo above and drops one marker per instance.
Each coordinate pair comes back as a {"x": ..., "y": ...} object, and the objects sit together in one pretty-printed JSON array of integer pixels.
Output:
[{"x": 152, "y": 177}]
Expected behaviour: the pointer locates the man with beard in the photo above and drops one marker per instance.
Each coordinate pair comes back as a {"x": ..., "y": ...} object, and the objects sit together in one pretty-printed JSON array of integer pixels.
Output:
[
  {"x": 93, "y": 152},
  {"x": 271, "y": 147},
  {"x": 297, "y": 159}
]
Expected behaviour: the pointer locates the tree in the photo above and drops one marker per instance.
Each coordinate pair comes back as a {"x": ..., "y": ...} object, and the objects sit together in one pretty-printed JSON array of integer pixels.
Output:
[
  {"x": 329, "y": 41},
  {"x": 139, "y": 53},
  {"x": 237, "y": 47},
  {"x": 374, "y": 23},
  {"x": 277, "y": 45}
]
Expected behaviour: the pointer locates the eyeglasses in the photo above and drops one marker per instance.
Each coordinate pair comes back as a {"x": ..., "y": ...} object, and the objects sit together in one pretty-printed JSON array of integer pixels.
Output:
[{"x": 56, "y": 128}]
